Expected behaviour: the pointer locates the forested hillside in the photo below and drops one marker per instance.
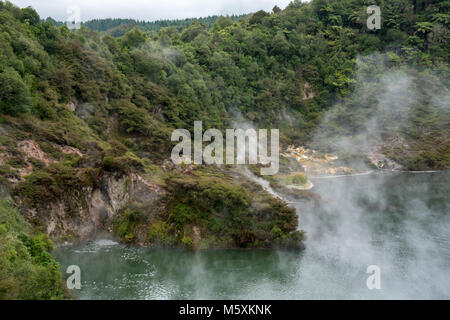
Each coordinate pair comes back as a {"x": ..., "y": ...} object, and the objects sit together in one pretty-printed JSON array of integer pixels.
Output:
[
  {"x": 118, "y": 27},
  {"x": 281, "y": 69},
  {"x": 86, "y": 117}
]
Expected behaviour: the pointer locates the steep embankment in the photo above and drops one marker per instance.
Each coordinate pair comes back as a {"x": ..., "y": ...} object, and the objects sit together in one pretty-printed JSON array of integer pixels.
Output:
[
  {"x": 86, "y": 119},
  {"x": 142, "y": 203}
]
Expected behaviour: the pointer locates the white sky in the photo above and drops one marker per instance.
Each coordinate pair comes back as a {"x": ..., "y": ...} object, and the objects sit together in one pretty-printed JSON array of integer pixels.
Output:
[{"x": 148, "y": 10}]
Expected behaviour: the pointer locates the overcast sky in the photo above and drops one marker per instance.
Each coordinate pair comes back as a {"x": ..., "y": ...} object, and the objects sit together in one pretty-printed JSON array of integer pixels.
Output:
[{"x": 148, "y": 10}]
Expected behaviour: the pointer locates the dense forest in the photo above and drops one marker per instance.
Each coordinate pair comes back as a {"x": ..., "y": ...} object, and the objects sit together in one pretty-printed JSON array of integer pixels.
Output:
[
  {"x": 80, "y": 109},
  {"x": 118, "y": 27}
]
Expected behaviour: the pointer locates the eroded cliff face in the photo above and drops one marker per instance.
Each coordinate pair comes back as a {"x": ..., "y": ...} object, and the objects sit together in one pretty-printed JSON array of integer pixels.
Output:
[
  {"x": 87, "y": 202},
  {"x": 96, "y": 208},
  {"x": 75, "y": 194}
]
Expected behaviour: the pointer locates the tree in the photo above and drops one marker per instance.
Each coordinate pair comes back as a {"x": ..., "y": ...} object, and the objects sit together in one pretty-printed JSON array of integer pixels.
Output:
[
  {"x": 193, "y": 31},
  {"x": 258, "y": 17},
  {"x": 222, "y": 22},
  {"x": 134, "y": 38},
  {"x": 14, "y": 93},
  {"x": 280, "y": 45},
  {"x": 30, "y": 15}
]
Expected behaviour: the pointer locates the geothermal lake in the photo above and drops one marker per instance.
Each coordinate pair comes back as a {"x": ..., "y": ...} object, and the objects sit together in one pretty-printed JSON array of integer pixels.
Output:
[{"x": 399, "y": 222}]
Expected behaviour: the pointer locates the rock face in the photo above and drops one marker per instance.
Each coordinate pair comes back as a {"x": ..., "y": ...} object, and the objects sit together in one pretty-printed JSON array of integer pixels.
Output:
[
  {"x": 33, "y": 150},
  {"x": 308, "y": 92},
  {"x": 381, "y": 161},
  {"x": 72, "y": 107},
  {"x": 69, "y": 150},
  {"x": 315, "y": 163},
  {"x": 97, "y": 208}
]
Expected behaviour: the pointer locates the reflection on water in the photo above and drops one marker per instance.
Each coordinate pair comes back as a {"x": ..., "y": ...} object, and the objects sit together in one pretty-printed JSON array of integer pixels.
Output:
[{"x": 398, "y": 221}]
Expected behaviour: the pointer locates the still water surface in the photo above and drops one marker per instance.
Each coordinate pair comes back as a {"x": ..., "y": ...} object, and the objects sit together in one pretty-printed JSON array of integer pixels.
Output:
[{"x": 399, "y": 222}]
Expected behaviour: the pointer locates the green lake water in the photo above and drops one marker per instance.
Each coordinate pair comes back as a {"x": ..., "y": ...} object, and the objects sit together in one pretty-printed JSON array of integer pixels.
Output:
[{"x": 399, "y": 222}]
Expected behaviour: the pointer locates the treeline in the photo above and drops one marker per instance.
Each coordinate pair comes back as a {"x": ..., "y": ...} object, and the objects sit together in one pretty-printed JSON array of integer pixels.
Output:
[
  {"x": 118, "y": 27},
  {"x": 118, "y": 99}
]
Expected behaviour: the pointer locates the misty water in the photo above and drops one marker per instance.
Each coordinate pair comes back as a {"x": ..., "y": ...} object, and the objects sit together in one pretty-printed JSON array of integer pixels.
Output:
[{"x": 399, "y": 222}]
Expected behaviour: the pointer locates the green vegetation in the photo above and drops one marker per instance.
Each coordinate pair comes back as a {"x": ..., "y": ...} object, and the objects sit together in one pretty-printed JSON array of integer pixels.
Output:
[
  {"x": 280, "y": 69},
  {"x": 128, "y": 219},
  {"x": 210, "y": 209},
  {"x": 99, "y": 104},
  {"x": 229, "y": 213},
  {"x": 118, "y": 27},
  {"x": 297, "y": 178},
  {"x": 54, "y": 183},
  {"x": 159, "y": 233},
  {"x": 27, "y": 270}
]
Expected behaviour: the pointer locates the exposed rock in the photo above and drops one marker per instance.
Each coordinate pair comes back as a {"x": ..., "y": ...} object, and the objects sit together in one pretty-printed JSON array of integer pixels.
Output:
[
  {"x": 116, "y": 191},
  {"x": 72, "y": 107},
  {"x": 33, "y": 150},
  {"x": 23, "y": 172},
  {"x": 196, "y": 237},
  {"x": 69, "y": 150},
  {"x": 307, "y": 91},
  {"x": 100, "y": 211},
  {"x": 96, "y": 208},
  {"x": 381, "y": 161},
  {"x": 315, "y": 163},
  {"x": 168, "y": 165},
  {"x": 142, "y": 188}
]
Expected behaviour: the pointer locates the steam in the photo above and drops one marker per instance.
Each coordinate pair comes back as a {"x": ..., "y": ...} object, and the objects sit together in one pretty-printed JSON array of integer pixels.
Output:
[
  {"x": 397, "y": 221},
  {"x": 387, "y": 102},
  {"x": 262, "y": 182},
  {"x": 383, "y": 219}
]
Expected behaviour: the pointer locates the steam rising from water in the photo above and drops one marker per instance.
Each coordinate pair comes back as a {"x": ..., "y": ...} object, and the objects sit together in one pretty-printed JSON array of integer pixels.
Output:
[
  {"x": 386, "y": 102},
  {"x": 397, "y": 221},
  {"x": 262, "y": 182},
  {"x": 389, "y": 220}
]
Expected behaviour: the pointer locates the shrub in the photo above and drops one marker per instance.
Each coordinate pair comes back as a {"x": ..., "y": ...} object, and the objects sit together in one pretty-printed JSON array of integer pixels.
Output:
[
  {"x": 27, "y": 270},
  {"x": 187, "y": 241},
  {"x": 159, "y": 233},
  {"x": 299, "y": 179},
  {"x": 14, "y": 93},
  {"x": 127, "y": 220}
]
